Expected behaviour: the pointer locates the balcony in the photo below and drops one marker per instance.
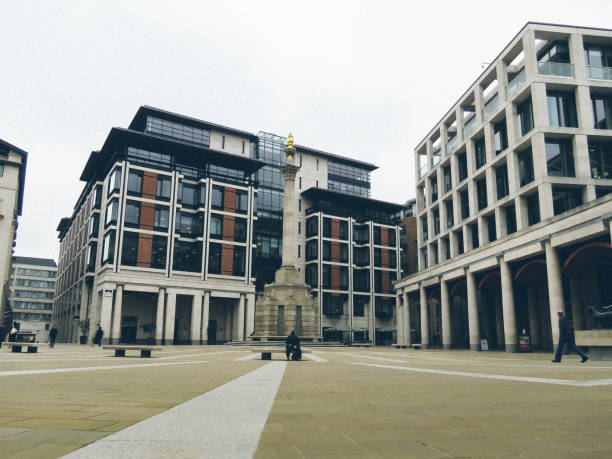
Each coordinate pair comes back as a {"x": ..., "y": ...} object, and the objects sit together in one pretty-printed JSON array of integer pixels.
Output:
[
  {"x": 490, "y": 106},
  {"x": 601, "y": 73},
  {"x": 451, "y": 145},
  {"x": 563, "y": 69},
  {"x": 423, "y": 170},
  {"x": 516, "y": 82},
  {"x": 469, "y": 127}
]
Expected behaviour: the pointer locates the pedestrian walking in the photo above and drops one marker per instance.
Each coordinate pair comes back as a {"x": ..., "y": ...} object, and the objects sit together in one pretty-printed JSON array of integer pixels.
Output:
[
  {"x": 565, "y": 336},
  {"x": 98, "y": 336},
  {"x": 52, "y": 337}
]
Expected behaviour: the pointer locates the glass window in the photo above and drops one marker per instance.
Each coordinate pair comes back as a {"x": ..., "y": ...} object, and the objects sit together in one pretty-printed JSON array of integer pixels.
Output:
[
  {"x": 449, "y": 213},
  {"x": 217, "y": 197},
  {"x": 189, "y": 224},
  {"x": 377, "y": 235},
  {"x": 436, "y": 221},
  {"x": 510, "y": 219},
  {"x": 525, "y": 162},
  {"x": 501, "y": 181},
  {"x": 481, "y": 190},
  {"x": 312, "y": 226},
  {"x": 533, "y": 209},
  {"x": 465, "y": 204},
  {"x": 129, "y": 251},
  {"x": 242, "y": 201},
  {"x": 188, "y": 195},
  {"x": 312, "y": 274},
  {"x": 480, "y": 153},
  {"x": 475, "y": 240},
  {"x": 178, "y": 131},
  {"x": 132, "y": 214},
  {"x": 108, "y": 247},
  {"x": 491, "y": 228},
  {"x": 600, "y": 156},
  {"x": 240, "y": 230},
  {"x": 561, "y": 109},
  {"x": 602, "y": 111},
  {"x": 500, "y": 136},
  {"x": 326, "y": 227},
  {"x": 434, "y": 189},
  {"x": 312, "y": 250},
  {"x": 460, "y": 247},
  {"x": 112, "y": 211},
  {"x": 163, "y": 188},
  {"x": 239, "y": 261},
  {"x": 343, "y": 230},
  {"x": 161, "y": 219},
  {"x": 94, "y": 223},
  {"x": 149, "y": 158},
  {"x": 216, "y": 226},
  {"x": 462, "y": 163},
  {"x": 560, "y": 158},
  {"x": 114, "y": 181},
  {"x": 565, "y": 199},
  {"x": 447, "y": 179},
  {"x": 214, "y": 258},
  {"x": 134, "y": 185},
  {"x": 187, "y": 256},
  {"x": 525, "y": 116}
]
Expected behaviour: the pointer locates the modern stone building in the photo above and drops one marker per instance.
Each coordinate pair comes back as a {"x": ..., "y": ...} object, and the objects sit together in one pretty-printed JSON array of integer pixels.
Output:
[
  {"x": 514, "y": 202},
  {"x": 182, "y": 219},
  {"x": 159, "y": 246},
  {"x": 32, "y": 292},
  {"x": 13, "y": 162},
  {"x": 408, "y": 237}
]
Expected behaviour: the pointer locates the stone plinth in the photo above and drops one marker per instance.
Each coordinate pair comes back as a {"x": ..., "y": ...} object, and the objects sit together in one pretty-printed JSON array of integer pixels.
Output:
[
  {"x": 599, "y": 343},
  {"x": 288, "y": 291}
]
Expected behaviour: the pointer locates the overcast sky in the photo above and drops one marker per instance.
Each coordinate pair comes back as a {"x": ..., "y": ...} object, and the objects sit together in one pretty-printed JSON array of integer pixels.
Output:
[{"x": 365, "y": 79}]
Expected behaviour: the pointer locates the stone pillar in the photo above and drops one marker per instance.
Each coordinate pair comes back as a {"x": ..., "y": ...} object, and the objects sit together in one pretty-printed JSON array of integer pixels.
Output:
[
  {"x": 106, "y": 311},
  {"x": 555, "y": 289},
  {"x": 170, "y": 311},
  {"x": 116, "y": 330},
  {"x": 240, "y": 318},
  {"x": 399, "y": 320},
  {"x": 250, "y": 315},
  {"x": 424, "y": 318},
  {"x": 407, "y": 324},
  {"x": 205, "y": 315},
  {"x": 510, "y": 335},
  {"x": 534, "y": 324},
  {"x": 577, "y": 305},
  {"x": 159, "y": 318},
  {"x": 289, "y": 207},
  {"x": 499, "y": 321},
  {"x": 446, "y": 319},
  {"x": 472, "y": 304},
  {"x": 196, "y": 319}
]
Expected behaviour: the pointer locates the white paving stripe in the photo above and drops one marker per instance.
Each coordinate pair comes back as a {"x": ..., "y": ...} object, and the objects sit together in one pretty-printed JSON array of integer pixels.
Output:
[
  {"x": 106, "y": 367},
  {"x": 224, "y": 423},
  {"x": 562, "y": 382},
  {"x": 314, "y": 358},
  {"x": 247, "y": 357}
]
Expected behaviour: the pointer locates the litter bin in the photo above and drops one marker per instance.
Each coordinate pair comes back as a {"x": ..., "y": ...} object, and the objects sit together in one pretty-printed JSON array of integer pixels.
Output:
[{"x": 524, "y": 343}]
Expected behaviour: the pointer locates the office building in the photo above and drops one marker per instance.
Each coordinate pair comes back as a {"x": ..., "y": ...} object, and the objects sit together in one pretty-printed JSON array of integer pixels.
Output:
[
  {"x": 513, "y": 200},
  {"x": 13, "y": 162},
  {"x": 32, "y": 292}
]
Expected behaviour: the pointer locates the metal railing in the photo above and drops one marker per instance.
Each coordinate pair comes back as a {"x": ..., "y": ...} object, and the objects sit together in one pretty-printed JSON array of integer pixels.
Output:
[
  {"x": 469, "y": 127},
  {"x": 490, "y": 106},
  {"x": 516, "y": 82},
  {"x": 451, "y": 145}
]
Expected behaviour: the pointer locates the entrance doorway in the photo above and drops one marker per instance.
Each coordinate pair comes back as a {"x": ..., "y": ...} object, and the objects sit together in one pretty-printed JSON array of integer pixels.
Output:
[
  {"x": 212, "y": 332},
  {"x": 129, "y": 327}
]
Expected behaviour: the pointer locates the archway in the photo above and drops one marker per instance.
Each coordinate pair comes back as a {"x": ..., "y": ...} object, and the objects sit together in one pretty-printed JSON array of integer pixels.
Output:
[
  {"x": 490, "y": 310},
  {"x": 460, "y": 332}
]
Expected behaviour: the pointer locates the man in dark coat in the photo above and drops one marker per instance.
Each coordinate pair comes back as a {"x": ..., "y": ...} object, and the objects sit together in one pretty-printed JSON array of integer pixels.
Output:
[
  {"x": 565, "y": 336},
  {"x": 98, "y": 336},
  {"x": 52, "y": 336},
  {"x": 292, "y": 346}
]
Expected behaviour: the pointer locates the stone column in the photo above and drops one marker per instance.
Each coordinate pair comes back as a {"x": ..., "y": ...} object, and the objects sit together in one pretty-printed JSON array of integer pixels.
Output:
[
  {"x": 555, "y": 289},
  {"x": 510, "y": 335},
  {"x": 196, "y": 319},
  {"x": 250, "y": 315},
  {"x": 159, "y": 318},
  {"x": 289, "y": 207},
  {"x": 240, "y": 318},
  {"x": 205, "y": 315},
  {"x": 446, "y": 319},
  {"x": 399, "y": 319},
  {"x": 472, "y": 304},
  {"x": 116, "y": 330},
  {"x": 106, "y": 311},
  {"x": 424, "y": 318},
  {"x": 534, "y": 324},
  {"x": 407, "y": 325},
  {"x": 170, "y": 311},
  {"x": 499, "y": 321}
]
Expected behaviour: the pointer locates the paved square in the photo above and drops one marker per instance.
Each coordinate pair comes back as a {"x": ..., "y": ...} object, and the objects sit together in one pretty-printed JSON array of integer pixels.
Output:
[{"x": 222, "y": 401}]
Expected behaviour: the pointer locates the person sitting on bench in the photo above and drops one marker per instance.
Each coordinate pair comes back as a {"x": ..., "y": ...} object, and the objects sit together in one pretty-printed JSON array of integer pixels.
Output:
[{"x": 292, "y": 346}]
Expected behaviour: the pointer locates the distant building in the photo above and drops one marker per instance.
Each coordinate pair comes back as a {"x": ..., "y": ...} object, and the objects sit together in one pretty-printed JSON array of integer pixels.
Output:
[
  {"x": 12, "y": 177},
  {"x": 32, "y": 291}
]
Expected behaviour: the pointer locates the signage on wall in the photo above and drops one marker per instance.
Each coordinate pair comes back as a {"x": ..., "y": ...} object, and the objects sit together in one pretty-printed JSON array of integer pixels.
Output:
[
  {"x": 108, "y": 293},
  {"x": 484, "y": 345}
]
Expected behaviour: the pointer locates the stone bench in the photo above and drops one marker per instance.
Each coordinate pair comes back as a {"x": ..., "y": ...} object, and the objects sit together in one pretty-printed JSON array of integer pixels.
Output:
[
  {"x": 266, "y": 354},
  {"x": 361, "y": 345},
  {"x": 16, "y": 347},
  {"x": 400, "y": 346},
  {"x": 416, "y": 346},
  {"x": 145, "y": 351}
]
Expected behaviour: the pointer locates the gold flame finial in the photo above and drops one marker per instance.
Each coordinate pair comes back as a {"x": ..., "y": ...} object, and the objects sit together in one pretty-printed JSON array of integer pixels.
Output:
[{"x": 290, "y": 150}]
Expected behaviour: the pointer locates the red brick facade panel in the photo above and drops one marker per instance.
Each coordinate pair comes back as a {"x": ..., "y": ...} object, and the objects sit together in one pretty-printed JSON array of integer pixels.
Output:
[
  {"x": 335, "y": 277},
  {"x": 229, "y": 199},
  {"x": 145, "y": 246},
  {"x": 227, "y": 259},
  {"x": 335, "y": 228},
  {"x": 149, "y": 185},
  {"x": 386, "y": 284},
  {"x": 228, "y": 227}
]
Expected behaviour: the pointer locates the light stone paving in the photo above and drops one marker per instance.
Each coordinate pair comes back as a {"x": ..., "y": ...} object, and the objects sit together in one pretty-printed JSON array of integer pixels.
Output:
[
  {"x": 223, "y": 423},
  {"x": 379, "y": 402}
]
